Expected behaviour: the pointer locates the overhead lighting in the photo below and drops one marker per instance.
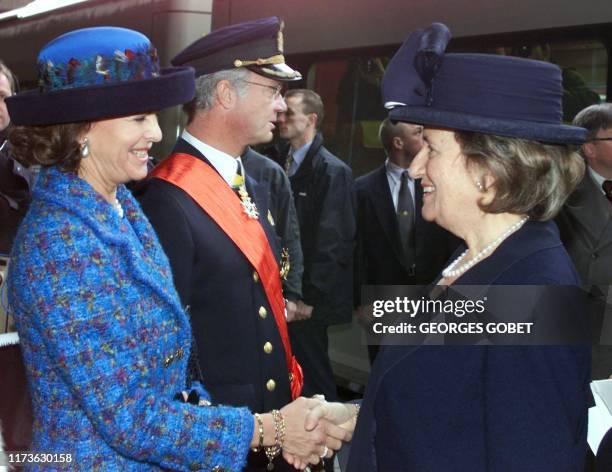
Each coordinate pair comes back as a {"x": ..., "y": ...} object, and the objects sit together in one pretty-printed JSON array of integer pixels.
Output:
[{"x": 37, "y": 7}]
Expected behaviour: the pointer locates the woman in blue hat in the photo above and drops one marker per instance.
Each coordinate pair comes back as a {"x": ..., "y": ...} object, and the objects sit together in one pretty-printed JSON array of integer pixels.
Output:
[
  {"x": 496, "y": 167},
  {"x": 103, "y": 335}
]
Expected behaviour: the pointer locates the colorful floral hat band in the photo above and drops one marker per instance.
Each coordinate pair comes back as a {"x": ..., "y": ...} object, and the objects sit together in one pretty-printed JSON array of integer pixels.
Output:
[
  {"x": 122, "y": 66},
  {"x": 97, "y": 73}
]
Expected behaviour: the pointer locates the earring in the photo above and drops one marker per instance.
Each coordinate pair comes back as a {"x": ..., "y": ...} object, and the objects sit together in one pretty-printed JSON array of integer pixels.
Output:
[
  {"x": 480, "y": 186},
  {"x": 85, "y": 148}
]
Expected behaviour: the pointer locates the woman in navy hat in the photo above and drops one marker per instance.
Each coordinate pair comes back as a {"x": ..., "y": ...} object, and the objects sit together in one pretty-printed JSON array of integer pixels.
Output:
[
  {"x": 496, "y": 167},
  {"x": 104, "y": 337}
]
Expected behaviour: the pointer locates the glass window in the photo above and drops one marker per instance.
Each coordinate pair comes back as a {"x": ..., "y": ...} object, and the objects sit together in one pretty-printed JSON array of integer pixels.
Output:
[
  {"x": 350, "y": 89},
  {"x": 584, "y": 64}
]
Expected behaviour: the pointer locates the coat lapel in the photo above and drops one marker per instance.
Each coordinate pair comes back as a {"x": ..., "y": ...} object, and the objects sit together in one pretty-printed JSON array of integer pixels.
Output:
[{"x": 385, "y": 211}]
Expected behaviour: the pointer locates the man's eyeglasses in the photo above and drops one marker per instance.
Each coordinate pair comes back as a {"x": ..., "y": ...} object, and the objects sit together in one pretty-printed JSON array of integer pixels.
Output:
[{"x": 277, "y": 89}]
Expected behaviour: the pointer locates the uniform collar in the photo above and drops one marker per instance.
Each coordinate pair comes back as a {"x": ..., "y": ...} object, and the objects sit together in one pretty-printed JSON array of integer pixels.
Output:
[{"x": 223, "y": 163}]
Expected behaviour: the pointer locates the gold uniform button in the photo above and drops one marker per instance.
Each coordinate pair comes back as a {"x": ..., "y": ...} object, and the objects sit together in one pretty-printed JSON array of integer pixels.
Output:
[
  {"x": 255, "y": 276},
  {"x": 270, "y": 385},
  {"x": 268, "y": 348},
  {"x": 263, "y": 312}
]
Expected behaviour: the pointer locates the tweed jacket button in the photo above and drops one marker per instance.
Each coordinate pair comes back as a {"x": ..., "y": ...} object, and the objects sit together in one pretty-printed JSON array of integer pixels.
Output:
[
  {"x": 263, "y": 312},
  {"x": 271, "y": 385},
  {"x": 218, "y": 468},
  {"x": 268, "y": 348},
  {"x": 255, "y": 276}
]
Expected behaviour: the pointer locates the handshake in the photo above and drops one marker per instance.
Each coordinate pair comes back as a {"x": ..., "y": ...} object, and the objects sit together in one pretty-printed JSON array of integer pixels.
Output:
[{"x": 304, "y": 431}]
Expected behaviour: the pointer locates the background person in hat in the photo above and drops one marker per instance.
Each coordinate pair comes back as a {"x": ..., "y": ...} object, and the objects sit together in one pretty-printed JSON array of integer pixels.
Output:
[
  {"x": 214, "y": 224},
  {"x": 496, "y": 166},
  {"x": 104, "y": 336}
]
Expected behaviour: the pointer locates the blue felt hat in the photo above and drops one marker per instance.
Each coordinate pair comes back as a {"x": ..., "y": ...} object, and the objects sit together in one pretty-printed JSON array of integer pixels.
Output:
[
  {"x": 256, "y": 45},
  {"x": 97, "y": 73},
  {"x": 485, "y": 93}
]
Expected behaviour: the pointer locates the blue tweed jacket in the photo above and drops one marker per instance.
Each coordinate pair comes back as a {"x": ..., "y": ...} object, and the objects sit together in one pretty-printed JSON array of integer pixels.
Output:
[{"x": 105, "y": 340}]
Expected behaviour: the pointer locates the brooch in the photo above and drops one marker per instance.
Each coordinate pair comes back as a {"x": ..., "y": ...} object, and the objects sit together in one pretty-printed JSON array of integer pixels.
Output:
[{"x": 248, "y": 206}]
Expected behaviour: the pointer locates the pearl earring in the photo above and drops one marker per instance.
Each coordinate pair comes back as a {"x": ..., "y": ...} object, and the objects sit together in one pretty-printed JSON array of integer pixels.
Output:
[
  {"x": 85, "y": 148},
  {"x": 480, "y": 186}
]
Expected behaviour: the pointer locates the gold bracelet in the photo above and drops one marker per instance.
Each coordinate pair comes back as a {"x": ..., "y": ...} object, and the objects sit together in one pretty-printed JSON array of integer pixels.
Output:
[
  {"x": 261, "y": 432},
  {"x": 279, "y": 438}
]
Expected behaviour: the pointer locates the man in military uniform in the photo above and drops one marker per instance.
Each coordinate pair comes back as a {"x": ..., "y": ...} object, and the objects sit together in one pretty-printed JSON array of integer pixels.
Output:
[{"x": 213, "y": 222}]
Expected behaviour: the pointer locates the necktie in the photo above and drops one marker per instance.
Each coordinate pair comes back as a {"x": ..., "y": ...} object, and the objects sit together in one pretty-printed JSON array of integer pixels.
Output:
[
  {"x": 405, "y": 220},
  {"x": 238, "y": 181},
  {"x": 288, "y": 163},
  {"x": 607, "y": 188},
  {"x": 238, "y": 186}
]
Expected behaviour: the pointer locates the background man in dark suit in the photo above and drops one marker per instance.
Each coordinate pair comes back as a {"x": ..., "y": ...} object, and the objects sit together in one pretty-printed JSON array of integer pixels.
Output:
[
  {"x": 391, "y": 251},
  {"x": 323, "y": 193},
  {"x": 585, "y": 223}
]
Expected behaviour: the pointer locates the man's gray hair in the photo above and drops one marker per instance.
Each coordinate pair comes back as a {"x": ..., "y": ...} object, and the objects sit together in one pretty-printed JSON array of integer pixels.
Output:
[
  {"x": 594, "y": 118},
  {"x": 206, "y": 85}
]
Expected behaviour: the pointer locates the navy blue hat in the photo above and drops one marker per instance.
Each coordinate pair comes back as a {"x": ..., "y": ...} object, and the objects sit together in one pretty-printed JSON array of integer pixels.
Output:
[
  {"x": 485, "y": 93},
  {"x": 256, "y": 45},
  {"x": 96, "y": 73}
]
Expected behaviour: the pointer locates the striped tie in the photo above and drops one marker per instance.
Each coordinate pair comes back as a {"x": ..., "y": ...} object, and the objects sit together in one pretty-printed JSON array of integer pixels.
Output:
[
  {"x": 405, "y": 219},
  {"x": 238, "y": 181}
]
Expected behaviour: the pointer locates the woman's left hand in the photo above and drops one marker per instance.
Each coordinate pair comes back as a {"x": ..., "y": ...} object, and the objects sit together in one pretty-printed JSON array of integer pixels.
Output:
[{"x": 343, "y": 415}]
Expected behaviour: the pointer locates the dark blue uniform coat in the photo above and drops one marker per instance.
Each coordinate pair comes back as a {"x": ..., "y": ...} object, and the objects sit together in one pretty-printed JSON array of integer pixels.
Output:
[
  {"x": 481, "y": 408},
  {"x": 230, "y": 314}
]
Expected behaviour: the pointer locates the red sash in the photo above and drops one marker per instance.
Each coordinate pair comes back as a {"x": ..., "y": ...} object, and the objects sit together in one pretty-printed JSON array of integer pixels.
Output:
[{"x": 219, "y": 201}]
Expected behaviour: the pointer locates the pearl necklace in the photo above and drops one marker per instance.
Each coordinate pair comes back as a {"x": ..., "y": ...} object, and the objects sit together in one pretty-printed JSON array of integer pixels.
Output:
[
  {"x": 118, "y": 208},
  {"x": 450, "y": 271}
]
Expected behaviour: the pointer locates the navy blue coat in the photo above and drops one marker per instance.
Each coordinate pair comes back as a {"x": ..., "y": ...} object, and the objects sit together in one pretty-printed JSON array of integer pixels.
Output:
[
  {"x": 482, "y": 408},
  {"x": 230, "y": 314}
]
